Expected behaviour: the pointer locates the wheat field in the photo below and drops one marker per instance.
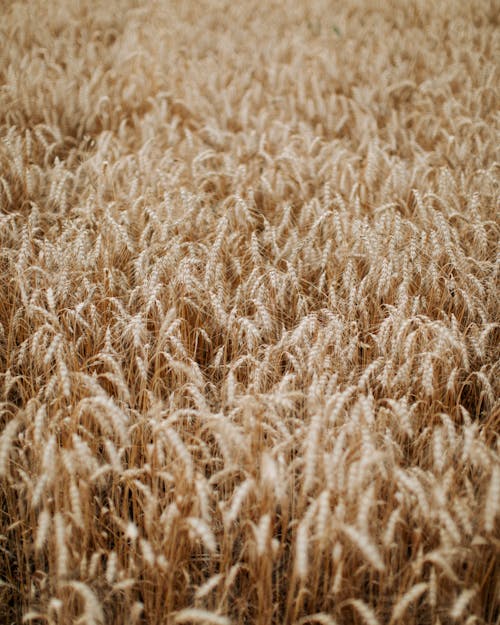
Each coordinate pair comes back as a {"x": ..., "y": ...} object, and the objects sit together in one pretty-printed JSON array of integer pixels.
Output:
[{"x": 249, "y": 314}]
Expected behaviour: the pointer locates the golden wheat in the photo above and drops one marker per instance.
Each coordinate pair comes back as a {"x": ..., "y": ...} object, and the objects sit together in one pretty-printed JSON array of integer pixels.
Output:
[{"x": 249, "y": 314}]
